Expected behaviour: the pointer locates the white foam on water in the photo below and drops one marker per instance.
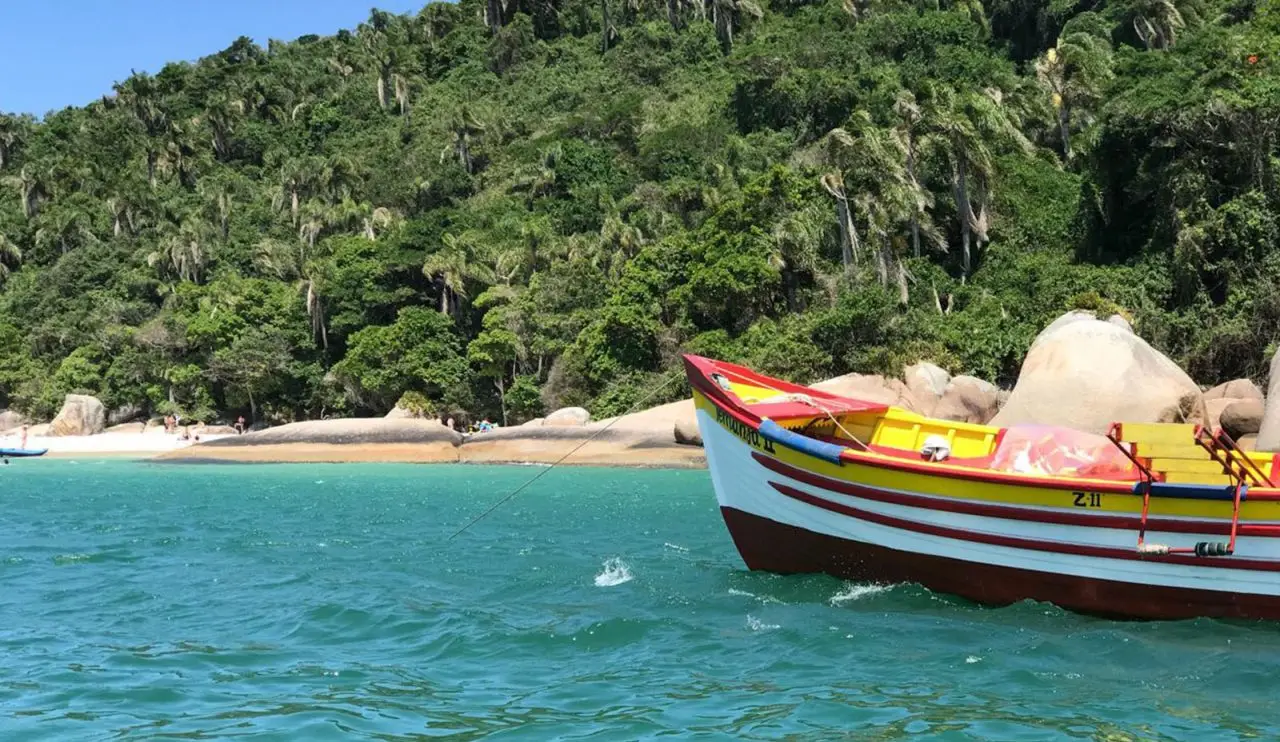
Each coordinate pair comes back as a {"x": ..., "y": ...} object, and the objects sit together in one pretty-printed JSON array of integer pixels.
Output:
[
  {"x": 761, "y": 598},
  {"x": 676, "y": 547},
  {"x": 615, "y": 572},
  {"x": 972, "y": 659},
  {"x": 756, "y": 624},
  {"x": 855, "y": 591}
]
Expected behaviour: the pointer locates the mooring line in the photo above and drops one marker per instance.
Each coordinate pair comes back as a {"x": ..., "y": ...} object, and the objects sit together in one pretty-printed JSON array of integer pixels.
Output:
[{"x": 536, "y": 477}]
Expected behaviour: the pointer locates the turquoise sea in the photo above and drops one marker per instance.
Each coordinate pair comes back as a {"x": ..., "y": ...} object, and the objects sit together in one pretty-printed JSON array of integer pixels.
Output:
[{"x": 149, "y": 601}]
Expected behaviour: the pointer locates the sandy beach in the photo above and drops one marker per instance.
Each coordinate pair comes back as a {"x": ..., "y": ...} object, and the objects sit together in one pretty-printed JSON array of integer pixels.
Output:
[
  {"x": 643, "y": 440},
  {"x": 136, "y": 445}
]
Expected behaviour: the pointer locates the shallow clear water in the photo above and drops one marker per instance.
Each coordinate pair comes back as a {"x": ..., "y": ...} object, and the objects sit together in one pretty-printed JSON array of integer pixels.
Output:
[{"x": 144, "y": 601}]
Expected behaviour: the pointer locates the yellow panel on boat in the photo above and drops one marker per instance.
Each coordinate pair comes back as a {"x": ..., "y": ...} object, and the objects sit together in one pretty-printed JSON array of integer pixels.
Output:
[
  {"x": 1177, "y": 477},
  {"x": 751, "y": 394},
  {"x": 1186, "y": 466},
  {"x": 898, "y": 428},
  {"x": 1263, "y": 459},
  {"x": 1168, "y": 433},
  {"x": 1170, "y": 451}
]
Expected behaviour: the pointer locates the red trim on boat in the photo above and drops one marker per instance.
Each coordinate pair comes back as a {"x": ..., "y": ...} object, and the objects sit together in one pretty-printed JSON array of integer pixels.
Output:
[
  {"x": 1028, "y": 544},
  {"x": 698, "y": 368},
  {"x": 1014, "y": 512},
  {"x": 777, "y": 547}
]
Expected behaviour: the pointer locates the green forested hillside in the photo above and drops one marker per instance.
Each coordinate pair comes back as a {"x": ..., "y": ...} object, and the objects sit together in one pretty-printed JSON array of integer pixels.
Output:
[{"x": 542, "y": 202}]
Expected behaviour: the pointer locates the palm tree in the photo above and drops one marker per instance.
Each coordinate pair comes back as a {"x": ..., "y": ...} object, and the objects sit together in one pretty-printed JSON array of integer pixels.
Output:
[
  {"x": 794, "y": 246},
  {"x": 313, "y": 221},
  {"x": 857, "y": 9},
  {"x": 140, "y": 97},
  {"x": 452, "y": 266},
  {"x": 727, "y": 15},
  {"x": 373, "y": 35},
  {"x": 183, "y": 253},
  {"x": 336, "y": 177},
  {"x": 973, "y": 9},
  {"x": 180, "y": 153},
  {"x": 401, "y": 84},
  {"x": 910, "y": 133},
  {"x": 223, "y": 113},
  {"x": 879, "y": 164},
  {"x": 434, "y": 23},
  {"x": 122, "y": 215},
  {"x": 12, "y": 131},
  {"x": 305, "y": 267},
  {"x": 1074, "y": 72},
  {"x": 833, "y": 182},
  {"x": 620, "y": 241},
  {"x": 66, "y": 228},
  {"x": 495, "y": 15},
  {"x": 1157, "y": 22},
  {"x": 968, "y": 126},
  {"x": 219, "y": 195},
  {"x": 31, "y": 190},
  {"x": 465, "y": 127},
  {"x": 296, "y": 178},
  {"x": 380, "y": 219},
  {"x": 310, "y": 286},
  {"x": 10, "y": 255},
  {"x": 854, "y": 155},
  {"x": 278, "y": 258}
]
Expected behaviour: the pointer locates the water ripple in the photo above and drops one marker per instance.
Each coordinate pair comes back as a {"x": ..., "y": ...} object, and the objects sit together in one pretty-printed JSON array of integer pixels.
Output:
[{"x": 147, "y": 602}]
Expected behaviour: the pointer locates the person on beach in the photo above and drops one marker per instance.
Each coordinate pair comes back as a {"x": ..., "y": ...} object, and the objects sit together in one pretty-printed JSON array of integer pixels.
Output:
[
  {"x": 449, "y": 422},
  {"x": 240, "y": 425},
  {"x": 24, "y": 439}
]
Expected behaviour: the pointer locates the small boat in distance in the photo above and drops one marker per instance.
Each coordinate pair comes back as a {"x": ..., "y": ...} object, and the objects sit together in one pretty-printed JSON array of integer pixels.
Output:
[
  {"x": 19, "y": 453},
  {"x": 1154, "y": 521}
]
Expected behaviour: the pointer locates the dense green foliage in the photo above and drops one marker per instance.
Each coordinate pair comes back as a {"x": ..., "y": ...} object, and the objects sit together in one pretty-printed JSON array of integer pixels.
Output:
[{"x": 497, "y": 208}]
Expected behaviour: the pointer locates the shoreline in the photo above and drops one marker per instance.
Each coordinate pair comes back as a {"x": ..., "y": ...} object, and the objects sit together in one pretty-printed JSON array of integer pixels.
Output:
[
  {"x": 646, "y": 440},
  {"x": 686, "y": 457},
  {"x": 391, "y": 444}
]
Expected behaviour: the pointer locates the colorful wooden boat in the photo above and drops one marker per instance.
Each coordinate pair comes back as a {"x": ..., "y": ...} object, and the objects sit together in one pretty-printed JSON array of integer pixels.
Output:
[{"x": 1185, "y": 524}]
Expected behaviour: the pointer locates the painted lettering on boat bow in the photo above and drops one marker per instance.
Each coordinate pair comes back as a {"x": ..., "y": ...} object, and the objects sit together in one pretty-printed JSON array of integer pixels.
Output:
[{"x": 743, "y": 431}]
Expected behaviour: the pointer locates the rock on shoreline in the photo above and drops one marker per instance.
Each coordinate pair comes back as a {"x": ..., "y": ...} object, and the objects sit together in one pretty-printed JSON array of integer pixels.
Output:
[{"x": 626, "y": 443}]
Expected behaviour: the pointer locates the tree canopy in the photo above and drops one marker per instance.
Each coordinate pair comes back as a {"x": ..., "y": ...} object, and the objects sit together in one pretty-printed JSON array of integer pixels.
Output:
[{"x": 501, "y": 208}]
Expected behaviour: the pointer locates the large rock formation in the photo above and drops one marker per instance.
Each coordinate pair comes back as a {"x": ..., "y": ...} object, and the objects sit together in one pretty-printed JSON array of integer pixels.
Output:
[
  {"x": 567, "y": 417},
  {"x": 80, "y": 415},
  {"x": 1085, "y": 374},
  {"x": 646, "y": 438},
  {"x": 124, "y": 414},
  {"x": 1242, "y": 417},
  {"x": 1269, "y": 431},
  {"x": 1237, "y": 389},
  {"x": 968, "y": 399},
  {"x": 10, "y": 419},
  {"x": 356, "y": 439},
  {"x": 926, "y": 383},
  {"x": 875, "y": 388},
  {"x": 1213, "y": 409}
]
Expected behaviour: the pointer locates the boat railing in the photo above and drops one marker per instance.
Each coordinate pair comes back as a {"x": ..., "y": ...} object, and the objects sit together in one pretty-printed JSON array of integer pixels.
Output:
[
  {"x": 1235, "y": 462},
  {"x": 1222, "y": 450}
]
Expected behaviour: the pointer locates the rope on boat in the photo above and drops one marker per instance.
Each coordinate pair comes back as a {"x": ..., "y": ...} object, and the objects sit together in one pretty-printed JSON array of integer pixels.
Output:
[
  {"x": 653, "y": 393},
  {"x": 803, "y": 398}
]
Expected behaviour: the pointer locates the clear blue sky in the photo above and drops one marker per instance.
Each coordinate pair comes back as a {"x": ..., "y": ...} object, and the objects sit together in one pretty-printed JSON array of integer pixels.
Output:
[{"x": 57, "y": 53}]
